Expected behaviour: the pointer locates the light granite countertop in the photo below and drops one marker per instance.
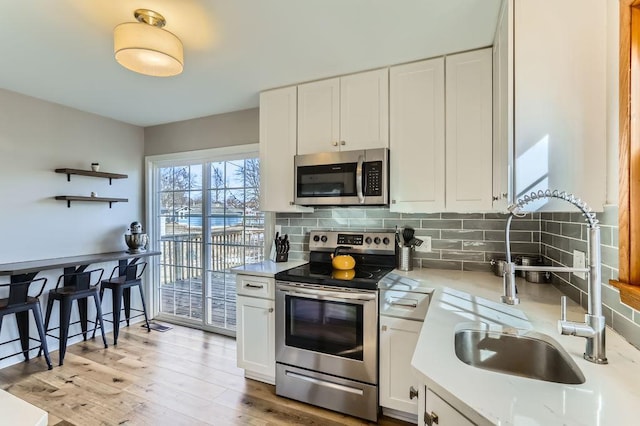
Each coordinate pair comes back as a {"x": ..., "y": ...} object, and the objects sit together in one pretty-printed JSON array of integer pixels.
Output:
[
  {"x": 267, "y": 268},
  {"x": 17, "y": 412},
  {"x": 609, "y": 396}
]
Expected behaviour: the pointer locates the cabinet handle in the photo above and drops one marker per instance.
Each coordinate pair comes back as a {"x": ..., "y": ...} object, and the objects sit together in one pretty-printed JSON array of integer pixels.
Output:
[
  {"x": 413, "y": 392},
  {"x": 430, "y": 418},
  {"x": 393, "y": 201},
  {"x": 343, "y": 143},
  {"x": 270, "y": 310},
  {"x": 408, "y": 305},
  {"x": 290, "y": 203},
  {"x": 384, "y": 328},
  {"x": 504, "y": 195},
  {"x": 254, "y": 285},
  {"x": 334, "y": 143},
  {"x": 495, "y": 198}
]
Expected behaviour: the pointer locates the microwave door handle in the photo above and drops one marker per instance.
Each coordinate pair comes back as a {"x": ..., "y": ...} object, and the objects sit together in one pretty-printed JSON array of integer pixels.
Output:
[{"x": 359, "y": 179}]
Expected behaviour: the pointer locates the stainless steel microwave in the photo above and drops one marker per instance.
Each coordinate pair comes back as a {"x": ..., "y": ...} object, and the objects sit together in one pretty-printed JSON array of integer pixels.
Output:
[{"x": 344, "y": 178}]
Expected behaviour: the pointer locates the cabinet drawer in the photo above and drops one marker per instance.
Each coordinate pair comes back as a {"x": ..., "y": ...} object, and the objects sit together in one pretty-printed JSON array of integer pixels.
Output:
[
  {"x": 248, "y": 285},
  {"x": 403, "y": 304}
]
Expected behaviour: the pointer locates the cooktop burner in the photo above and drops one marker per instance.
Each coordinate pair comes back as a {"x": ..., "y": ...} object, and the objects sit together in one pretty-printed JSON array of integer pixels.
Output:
[
  {"x": 374, "y": 255},
  {"x": 365, "y": 277}
]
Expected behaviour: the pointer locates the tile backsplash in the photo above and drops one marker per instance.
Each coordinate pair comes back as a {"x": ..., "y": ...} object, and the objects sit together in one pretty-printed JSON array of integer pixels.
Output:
[
  {"x": 470, "y": 241},
  {"x": 561, "y": 234},
  {"x": 459, "y": 241}
]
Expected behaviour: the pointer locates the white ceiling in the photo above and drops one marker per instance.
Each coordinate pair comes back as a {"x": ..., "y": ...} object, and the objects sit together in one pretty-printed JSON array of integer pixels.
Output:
[{"x": 62, "y": 50}]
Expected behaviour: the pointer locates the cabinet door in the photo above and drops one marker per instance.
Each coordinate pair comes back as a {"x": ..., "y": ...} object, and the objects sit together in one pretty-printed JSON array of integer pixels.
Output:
[
  {"x": 364, "y": 110},
  {"x": 437, "y": 407},
  {"x": 398, "y": 339},
  {"x": 503, "y": 110},
  {"x": 319, "y": 116},
  {"x": 417, "y": 136},
  {"x": 255, "y": 337},
  {"x": 469, "y": 109},
  {"x": 560, "y": 103},
  {"x": 277, "y": 149}
]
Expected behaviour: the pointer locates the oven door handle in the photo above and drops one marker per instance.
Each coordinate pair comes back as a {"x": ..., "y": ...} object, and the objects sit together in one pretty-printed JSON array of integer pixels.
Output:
[
  {"x": 359, "y": 179},
  {"x": 326, "y": 294}
]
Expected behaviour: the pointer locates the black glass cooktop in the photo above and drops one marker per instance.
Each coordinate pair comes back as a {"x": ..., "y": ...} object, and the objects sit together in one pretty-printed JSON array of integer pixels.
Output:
[{"x": 364, "y": 276}]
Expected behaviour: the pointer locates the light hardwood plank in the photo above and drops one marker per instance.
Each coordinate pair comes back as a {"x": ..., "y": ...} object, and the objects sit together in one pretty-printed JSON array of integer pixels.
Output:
[{"x": 180, "y": 377}]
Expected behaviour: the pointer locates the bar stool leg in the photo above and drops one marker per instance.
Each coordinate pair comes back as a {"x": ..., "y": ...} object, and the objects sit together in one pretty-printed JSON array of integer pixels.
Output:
[
  {"x": 126, "y": 293},
  {"x": 47, "y": 317},
  {"x": 98, "y": 303},
  {"x": 37, "y": 315},
  {"x": 144, "y": 308},
  {"x": 22, "y": 318},
  {"x": 82, "y": 307},
  {"x": 65, "y": 319},
  {"x": 100, "y": 315},
  {"x": 116, "y": 299}
]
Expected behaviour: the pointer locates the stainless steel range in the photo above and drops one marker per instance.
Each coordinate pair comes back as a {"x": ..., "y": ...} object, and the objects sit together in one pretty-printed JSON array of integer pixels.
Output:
[{"x": 327, "y": 323}]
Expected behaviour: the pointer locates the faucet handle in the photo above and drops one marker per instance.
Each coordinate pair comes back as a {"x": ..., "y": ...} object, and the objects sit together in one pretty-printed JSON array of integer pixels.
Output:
[{"x": 563, "y": 308}]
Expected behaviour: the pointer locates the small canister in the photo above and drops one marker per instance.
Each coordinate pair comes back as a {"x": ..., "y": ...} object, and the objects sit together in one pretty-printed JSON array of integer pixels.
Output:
[{"x": 405, "y": 258}]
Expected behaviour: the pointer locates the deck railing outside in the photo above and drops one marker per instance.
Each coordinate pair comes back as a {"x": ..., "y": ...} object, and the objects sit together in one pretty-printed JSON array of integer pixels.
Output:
[{"x": 181, "y": 270}]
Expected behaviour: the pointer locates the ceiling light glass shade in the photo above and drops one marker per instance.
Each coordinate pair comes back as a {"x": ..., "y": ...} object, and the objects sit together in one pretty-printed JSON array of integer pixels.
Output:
[{"x": 147, "y": 49}]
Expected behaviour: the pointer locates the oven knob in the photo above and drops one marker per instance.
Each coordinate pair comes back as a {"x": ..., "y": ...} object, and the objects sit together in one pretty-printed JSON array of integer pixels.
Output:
[
  {"x": 376, "y": 240},
  {"x": 385, "y": 241},
  {"x": 316, "y": 238},
  {"x": 323, "y": 238},
  {"x": 367, "y": 240}
]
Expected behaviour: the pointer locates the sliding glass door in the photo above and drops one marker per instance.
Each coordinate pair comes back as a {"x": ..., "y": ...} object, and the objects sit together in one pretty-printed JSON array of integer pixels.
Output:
[{"x": 207, "y": 220}]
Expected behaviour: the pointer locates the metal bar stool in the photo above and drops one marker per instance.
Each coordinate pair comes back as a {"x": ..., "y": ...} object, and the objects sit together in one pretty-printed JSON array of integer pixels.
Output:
[
  {"x": 120, "y": 286},
  {"x": 20, "y": 303},
  {"x": 76, "y": 286}
]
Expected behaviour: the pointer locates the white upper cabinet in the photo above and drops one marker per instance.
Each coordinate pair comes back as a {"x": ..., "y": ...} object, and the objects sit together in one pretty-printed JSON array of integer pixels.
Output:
[
  {"x": 559, "y": 105},
  {"x": 277, "y": 149},
  {"x": 345, "y": 113},
  {"x": 469, "y": 121},
  {"x": 417, "y": 138},
  {"x": 319, "y": 116}
]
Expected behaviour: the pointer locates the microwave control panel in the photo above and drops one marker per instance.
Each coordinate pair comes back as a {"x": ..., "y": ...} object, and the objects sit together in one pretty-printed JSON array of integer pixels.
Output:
[{"x": 373, "y": 178}]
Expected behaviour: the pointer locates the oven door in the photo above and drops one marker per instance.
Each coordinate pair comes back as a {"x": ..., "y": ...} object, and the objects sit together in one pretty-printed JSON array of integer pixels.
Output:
[{"x": 328, "y": 329}]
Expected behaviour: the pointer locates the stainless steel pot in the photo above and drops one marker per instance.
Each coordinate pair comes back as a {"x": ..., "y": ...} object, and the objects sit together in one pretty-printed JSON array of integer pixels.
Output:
[
  {"x": 527, "y": 261},
  {"x": 497, "y": 266},
  {"x": 538, "y": 276}
]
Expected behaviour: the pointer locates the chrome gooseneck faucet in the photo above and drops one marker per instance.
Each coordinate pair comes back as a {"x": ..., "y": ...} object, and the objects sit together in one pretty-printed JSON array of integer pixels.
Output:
[{"x": 593, "y": 329}]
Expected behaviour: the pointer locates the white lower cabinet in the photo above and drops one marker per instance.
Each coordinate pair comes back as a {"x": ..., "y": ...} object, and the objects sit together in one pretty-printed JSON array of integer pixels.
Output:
[
  {"x": 437, "y": 411},
  {"x": 255, "y": 329},
  {"x": 398, "y": 338}
]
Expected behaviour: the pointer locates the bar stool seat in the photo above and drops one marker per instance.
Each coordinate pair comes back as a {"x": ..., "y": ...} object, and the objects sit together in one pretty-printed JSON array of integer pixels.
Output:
[
  {"x": 76, "y": 286},
  {"x": 120, "y": 286},
  {"x": 20, "y": 303}
]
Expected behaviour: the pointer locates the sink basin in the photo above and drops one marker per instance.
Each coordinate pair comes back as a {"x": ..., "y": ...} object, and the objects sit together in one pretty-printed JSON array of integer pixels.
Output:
[{"x": 519, "y": 353}]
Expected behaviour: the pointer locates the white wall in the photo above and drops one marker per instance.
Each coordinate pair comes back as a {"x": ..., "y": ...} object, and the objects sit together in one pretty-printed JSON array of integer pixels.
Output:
[
  {"x": 37, "y": 137},
  {"x": 215, "y": 131},
  {"x": 613, "y": 52}
]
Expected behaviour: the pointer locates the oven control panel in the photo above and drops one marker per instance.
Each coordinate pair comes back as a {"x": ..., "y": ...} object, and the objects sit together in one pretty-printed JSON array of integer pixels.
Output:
[{"x": 358, "y": 242}]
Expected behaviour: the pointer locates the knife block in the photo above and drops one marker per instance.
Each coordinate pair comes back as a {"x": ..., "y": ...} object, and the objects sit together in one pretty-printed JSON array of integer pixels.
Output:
[{"x": 282, "y": 257}]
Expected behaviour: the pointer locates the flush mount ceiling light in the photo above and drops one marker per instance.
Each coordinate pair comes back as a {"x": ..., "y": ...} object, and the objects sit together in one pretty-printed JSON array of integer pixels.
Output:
[{"x": 145, "y": 47}]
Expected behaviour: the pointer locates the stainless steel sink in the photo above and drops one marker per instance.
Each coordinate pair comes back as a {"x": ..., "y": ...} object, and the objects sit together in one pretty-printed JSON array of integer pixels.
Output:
[{"x": 526, "y": 354}]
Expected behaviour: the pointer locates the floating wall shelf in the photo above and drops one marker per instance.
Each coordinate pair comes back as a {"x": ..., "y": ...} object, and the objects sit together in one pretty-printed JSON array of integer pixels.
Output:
[
  {"x": 70, "y": 198},
  {"x": 105, "y": 175}
]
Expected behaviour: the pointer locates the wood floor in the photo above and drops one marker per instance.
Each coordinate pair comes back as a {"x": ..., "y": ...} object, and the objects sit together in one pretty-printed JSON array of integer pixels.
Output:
[{"x": 179, "y": 377}]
